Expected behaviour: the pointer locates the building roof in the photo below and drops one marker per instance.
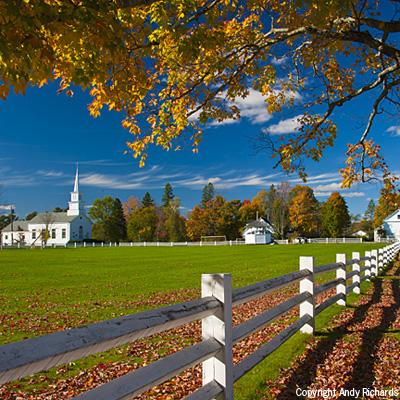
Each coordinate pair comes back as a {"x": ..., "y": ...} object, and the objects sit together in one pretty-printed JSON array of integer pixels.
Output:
[
  {"x": 257, "y": 224},
  {"x": 52, "y": 217},
  {"x": 360, "y": 233},
  {"x": 391, "y": 215},
  {"x": 18, "y": 225}
]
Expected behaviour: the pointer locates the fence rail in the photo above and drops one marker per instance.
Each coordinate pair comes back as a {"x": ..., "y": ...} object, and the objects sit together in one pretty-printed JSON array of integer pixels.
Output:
[
  {"x": 237, "y": 242},
  {"x": 214, "y": 309}
]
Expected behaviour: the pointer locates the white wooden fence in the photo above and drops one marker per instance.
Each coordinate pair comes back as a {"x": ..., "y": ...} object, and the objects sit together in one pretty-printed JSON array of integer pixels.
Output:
[
  {"x": 24, "y": 358},
  {"x": 335, "y": 240},
  {"x": 183, "y": 244}
]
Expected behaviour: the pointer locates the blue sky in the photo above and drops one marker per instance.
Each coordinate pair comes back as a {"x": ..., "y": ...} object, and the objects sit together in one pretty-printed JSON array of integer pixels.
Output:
[{"x": 43, "y": 134}]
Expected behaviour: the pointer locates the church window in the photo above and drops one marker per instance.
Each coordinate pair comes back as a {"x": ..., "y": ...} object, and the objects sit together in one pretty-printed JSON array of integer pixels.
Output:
[
  {"x": 81, "y": 232},
  {"x": 6, "y": 236},
  {"x": 33, "y": 234},
  {"x": 53, "y": 233},
  {"x": 63, "y": 233}
]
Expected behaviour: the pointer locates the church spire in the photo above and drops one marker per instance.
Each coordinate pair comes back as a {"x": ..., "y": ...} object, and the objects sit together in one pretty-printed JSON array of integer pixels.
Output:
[
  {"x": 75, "y": 205},
  {"x": 76, "y": 185}
]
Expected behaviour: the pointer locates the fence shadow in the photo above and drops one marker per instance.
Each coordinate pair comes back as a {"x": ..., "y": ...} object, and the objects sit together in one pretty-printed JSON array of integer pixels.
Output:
[
  {"x": 363, "y": 371},
  {"x": 305, "y": 373}
]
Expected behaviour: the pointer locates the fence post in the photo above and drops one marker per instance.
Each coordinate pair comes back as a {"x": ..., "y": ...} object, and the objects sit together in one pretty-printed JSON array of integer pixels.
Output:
[
  {"x": 368, "y": 265},
  {"x": 341, "y": 274},
  {"x": 384, "y": 256},
  {"x": 374, "y": 263},
  {"x": 380, "y": 261},
  {"x": 307, "y": 285},
  {"x": 219, "y": 327},
  {"x": 356, "y": 268}
]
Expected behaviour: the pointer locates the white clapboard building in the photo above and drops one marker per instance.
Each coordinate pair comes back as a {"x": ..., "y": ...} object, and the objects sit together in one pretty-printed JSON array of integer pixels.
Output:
[
  {"x": 258, "y": 231},
  {"x": 390, "y": 227},
  {"x": 52, "y": 228}
]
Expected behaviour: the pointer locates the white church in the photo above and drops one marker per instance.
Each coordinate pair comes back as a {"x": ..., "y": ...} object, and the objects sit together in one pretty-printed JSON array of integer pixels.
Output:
[{"x": 52, "y": 228}]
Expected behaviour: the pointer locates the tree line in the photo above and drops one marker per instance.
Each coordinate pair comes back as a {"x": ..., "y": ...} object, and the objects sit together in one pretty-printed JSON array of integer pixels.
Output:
[{"x": 292, "y": 211}]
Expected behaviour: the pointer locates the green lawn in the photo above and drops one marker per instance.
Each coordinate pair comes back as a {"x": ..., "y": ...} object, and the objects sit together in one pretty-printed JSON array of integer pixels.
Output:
[
  {"x": 83, "y": 285},
  {"x": 46, "y": 290}
]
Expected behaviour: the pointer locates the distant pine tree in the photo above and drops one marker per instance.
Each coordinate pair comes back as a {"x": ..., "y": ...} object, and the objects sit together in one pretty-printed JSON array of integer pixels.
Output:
[
  {"x": 168, "y": 195},
  {"x": 207, "y": 195},
  {"x": 147, "y": 200}
]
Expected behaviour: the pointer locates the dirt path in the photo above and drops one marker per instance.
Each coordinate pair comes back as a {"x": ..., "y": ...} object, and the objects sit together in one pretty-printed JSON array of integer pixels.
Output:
[{"x": 359, "y": 350}]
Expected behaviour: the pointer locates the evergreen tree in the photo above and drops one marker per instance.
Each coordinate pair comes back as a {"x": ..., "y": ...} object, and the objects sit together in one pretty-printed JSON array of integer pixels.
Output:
[
  {"x": 59, "y": 209},
  {"x": 370, "y": 211},
  {"x": 168, "y": 195},
  {"x": 147, "y": 200},
  {"x": 119, "y": 219},
  {"x": 207, "y": 195},
  {"x": 335, "y": 216},
  {"x": 31, "y": 215}
]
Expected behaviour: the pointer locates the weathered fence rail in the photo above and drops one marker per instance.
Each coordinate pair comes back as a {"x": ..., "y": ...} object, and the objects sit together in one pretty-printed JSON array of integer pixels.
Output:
[{"x": 214, "y": 309}]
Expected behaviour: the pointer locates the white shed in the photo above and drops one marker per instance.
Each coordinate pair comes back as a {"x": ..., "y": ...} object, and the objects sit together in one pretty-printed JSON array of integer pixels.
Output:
[{"x": 258, "y": 231}]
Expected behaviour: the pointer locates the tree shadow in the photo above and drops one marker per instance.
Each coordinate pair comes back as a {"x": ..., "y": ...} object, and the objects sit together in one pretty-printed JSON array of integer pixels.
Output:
[
  {"x": 305, "y": 373},
  {"x": 363, "y": 369}
]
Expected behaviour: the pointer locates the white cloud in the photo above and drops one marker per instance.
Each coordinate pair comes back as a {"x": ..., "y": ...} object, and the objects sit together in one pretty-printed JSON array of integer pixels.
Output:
[
  {"x": 253, "y": 108},
  {"x": 353, "y": 194},
  {"x": 108, "y": 181},
  {"x": 395, "y": 130},
  {"x": 326, "y": 190},
  {"x": 285, "y": 126},
  {"x": 279, "y": 60},
  {"x": 344, "y": 194},
  {"x": 50, "y": 174},
  {"x": 331, "y": 187},
  {"x": 256, "y": 180}
]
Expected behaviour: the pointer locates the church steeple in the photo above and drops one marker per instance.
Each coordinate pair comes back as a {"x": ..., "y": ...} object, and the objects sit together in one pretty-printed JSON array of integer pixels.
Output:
[
  {"x": 75, "y": 206},
  {"x": 76, "y": 185}
]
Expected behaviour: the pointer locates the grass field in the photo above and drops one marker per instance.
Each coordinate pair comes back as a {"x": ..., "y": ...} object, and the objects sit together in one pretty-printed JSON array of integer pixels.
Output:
[{"x": 46, "y": 290}]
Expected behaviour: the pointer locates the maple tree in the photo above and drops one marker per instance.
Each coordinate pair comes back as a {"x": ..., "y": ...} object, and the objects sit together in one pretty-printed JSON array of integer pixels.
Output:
[
  {"x": 388, "y": 203},
  {"x": 170, "y": 67},
  {"x": 109, "y": 220},
  {"x": 304, "y": 211}
]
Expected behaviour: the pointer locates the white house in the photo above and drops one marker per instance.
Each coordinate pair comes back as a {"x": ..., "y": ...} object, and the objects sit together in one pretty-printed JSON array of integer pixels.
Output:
[
  {"x": 258, "y": 231},
  {"x": 391, "y": 226},
  {"x": 52, "y": 228}
]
